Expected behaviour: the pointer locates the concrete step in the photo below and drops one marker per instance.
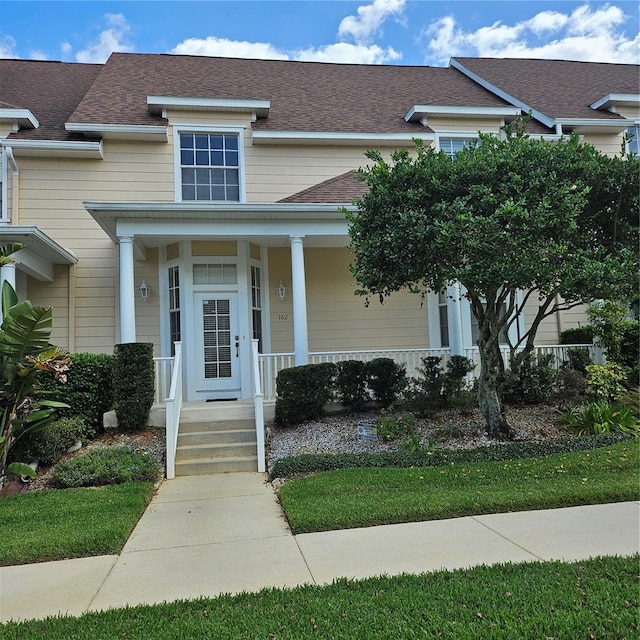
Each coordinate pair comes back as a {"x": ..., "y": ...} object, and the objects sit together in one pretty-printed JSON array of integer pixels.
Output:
[
  {"x": 214, "y": 411},
  {"x": 202, "y": 426},
  {"x": 209, "y": 451},
  {"x": 220, "y": 465},
  {"x": 216, "y": 437}
]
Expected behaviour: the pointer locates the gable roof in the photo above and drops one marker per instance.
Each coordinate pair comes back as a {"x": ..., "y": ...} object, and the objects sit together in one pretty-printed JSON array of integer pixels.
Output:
[
  {"x": 49, "y": 90},
  {"x": 341, "y": 189},
  {"x": 557, "y": 89}
]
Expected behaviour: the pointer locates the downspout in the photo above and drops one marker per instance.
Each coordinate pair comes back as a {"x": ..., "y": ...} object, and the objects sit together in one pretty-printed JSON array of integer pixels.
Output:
[{"x": 8, "y": 159}]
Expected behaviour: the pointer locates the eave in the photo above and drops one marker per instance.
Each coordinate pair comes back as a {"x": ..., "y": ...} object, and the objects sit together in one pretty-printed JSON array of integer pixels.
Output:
[
  {"x": 120, "y": 132},
  {"x": 54, "y": 148},
  {"x": 613, "y": 100},
  {"x": 159, "y": 105},
  {"x": 338, "y": 138},
  {"x": 20, "y": 117},
  {"x": 421, "y": 112},
  {"x": 594, "y": 125}
]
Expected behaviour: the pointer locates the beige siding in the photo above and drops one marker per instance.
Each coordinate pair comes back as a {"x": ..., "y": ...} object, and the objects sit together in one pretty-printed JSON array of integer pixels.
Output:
[
  {"x": 632, "y": 113},
  {"x": 608, "y": 143},
  {"x": 148, "y": 313},
  {"x": 443, "y": 126},
  {"x": 337, "y": 318},
  {"x": 551, "y": 327},
  {"x": 54, "y": 294}
]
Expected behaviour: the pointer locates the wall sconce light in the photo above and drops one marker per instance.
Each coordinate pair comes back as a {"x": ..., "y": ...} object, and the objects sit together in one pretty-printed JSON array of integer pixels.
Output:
[
  {"x": 281, "y": 290},
  {"x": 144, "y": 290}
]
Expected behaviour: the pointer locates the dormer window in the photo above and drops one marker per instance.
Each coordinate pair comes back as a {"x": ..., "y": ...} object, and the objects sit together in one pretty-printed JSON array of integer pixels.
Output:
[
  {"x": 633, "y": 140},
  {"x": 210, "y": 166}
]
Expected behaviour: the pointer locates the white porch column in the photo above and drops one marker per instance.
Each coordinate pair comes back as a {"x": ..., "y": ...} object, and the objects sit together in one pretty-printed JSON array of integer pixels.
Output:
[
  {"x": 298, "y": 284},
  {"x": 8, "y": 273},
  {"x": 127, "y": 291},
  {"x": 454, "y": 313}
]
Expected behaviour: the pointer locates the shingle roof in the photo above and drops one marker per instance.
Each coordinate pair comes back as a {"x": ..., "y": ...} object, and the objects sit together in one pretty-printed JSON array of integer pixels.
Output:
[
  {"x": 50, "y": 90},
  {"x": 558, "y": 88},
  {"x": 305, "y": 96},
  {"x": 341, "y": 189}
]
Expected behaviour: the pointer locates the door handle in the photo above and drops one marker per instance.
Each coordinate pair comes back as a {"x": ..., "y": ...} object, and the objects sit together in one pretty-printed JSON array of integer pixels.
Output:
[{"x": 237, "y": 347}]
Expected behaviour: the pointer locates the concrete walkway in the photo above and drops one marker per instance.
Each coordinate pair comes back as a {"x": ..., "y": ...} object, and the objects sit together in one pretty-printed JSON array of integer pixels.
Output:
[{"x": 207, "y": 535}]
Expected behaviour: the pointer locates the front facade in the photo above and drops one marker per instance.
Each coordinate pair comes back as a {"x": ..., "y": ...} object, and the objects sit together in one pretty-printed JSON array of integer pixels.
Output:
[{"x": 173, "y": 198}]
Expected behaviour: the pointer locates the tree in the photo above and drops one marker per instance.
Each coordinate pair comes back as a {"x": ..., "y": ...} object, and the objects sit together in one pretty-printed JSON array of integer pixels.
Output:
[
  {"x": 513, "y": 220},
  {"x": 24, "y": 350}
]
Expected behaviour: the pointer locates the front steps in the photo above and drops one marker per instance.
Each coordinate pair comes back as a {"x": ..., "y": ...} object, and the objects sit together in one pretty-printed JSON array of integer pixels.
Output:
[{"x": 216, "y": 438}]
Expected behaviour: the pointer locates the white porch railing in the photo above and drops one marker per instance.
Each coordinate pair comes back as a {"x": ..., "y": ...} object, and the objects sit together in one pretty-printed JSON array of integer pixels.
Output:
[
  {"x": 162, "y": 368},
  {"x": 258, "y": 405},
  {"x": 173, "y": 405},
  {"x": 270, "y": 364}
]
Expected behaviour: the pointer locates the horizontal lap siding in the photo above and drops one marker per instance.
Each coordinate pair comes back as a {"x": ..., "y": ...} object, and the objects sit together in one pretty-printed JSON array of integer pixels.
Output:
[
  {"x": 550, "y": 327},
  {"x": 52, "y": 192},
  {"x": 337, "y": 318}
]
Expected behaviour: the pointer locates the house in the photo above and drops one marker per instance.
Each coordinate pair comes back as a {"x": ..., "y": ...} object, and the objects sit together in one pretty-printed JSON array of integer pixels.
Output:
[{"x": 169, "y": 198}]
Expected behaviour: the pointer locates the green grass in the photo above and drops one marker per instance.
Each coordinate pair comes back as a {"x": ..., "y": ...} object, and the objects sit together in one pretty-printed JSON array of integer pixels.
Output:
[
  {"x": 597, "y": 598},
  {"x": 69, "y": 523},
  {"x": 364, "y": 497}
]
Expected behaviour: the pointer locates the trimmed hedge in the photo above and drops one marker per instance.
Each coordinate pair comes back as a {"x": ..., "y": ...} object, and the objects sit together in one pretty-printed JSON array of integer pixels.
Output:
[
  {"x": 133, "y": 384},
  {"x": 386, "y": 379},
  {"x": 88, "y": 390},
  {"x": 312, "y": 463},
  {"x": 303, "y": 391},
  {"x": 577, "y": 335},
  {"x": 351, "y": 384}
]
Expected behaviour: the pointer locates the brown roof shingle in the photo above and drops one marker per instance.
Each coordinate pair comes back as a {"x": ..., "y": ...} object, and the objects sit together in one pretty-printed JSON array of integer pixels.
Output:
[
  {"x": 341, "y": 189},
  {"x": 558, "y": 88}
]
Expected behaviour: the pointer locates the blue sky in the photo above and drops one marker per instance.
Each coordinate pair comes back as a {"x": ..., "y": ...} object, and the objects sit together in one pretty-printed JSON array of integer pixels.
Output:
[{"x": 369, "y": 31}]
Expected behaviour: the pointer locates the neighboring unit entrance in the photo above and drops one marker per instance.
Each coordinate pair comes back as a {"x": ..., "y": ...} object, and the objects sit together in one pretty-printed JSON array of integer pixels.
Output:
[{"x": 217, "y": 344}]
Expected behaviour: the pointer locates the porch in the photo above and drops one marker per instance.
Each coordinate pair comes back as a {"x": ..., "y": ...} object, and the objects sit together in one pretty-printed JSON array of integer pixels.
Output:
[{"x": 171, "y": 411}]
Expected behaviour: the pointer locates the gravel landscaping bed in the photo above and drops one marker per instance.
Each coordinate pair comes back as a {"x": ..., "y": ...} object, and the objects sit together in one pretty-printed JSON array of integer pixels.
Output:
[{"x": 446, "y": 429}]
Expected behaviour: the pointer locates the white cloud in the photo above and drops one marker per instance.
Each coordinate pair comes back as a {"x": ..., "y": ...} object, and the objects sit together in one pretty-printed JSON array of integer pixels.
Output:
[
  {"x": 212, "y": 46},
  {"x": 113, "y": 38},
  {"x": 369, "y": 20},
  {"x": 592, "y": 35},
  {"x": 349, "y": 53},
  {"x": 7, "y": 47},
  {"x": 37, "y": 55},
  {"x": 66, "y": 48}
]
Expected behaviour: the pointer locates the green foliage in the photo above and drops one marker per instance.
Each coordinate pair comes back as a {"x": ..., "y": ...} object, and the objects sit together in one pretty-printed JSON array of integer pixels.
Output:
[
  {"x": 133, "y": 384},
  {"x": 577, "y": 335},
  {"x": 312, "y": 463},
  {"x": 351, "y": 384},
  {"x": 41, "y": 526},
  {"x": 303, "y": 391},
  {"x": 571, "y": 386},
  {"x": 601, "y": 417},
  {"x": 532, "y": 383},
  {"x": 24, "y": 351},
  {"x": 48, "y": 444},
  {"x": 455, "y": 375},
  {"x": 578, "y": 359},
  {"x": 630, "y": 343},
  {"x": 107, "y": 465},
  {"x": 394, "y": 427},
  {"x": 563, "y": 214},
  {"x": 386, "y": 379},
  {"x": 88, "y": 390},
  {"x": 605, "y": 381}
]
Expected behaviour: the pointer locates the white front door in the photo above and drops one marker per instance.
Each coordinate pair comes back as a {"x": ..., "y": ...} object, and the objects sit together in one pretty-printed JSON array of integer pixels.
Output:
[{"x": 217, "y": 344}]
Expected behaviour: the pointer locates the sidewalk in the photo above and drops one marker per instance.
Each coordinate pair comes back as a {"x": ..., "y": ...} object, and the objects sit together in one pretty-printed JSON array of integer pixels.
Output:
[{"x": 207, "y": 535}]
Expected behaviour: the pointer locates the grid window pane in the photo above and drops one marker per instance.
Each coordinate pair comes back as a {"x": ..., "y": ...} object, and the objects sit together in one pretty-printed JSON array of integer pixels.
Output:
[{"x": 217, "y": 158}]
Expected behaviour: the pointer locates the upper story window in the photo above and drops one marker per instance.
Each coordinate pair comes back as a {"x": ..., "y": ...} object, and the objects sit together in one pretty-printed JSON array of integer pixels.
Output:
[
  {"x": 453, "y": 146},
  {"x": 633, "y": 140},
  {"x": 210, "y": 166}
]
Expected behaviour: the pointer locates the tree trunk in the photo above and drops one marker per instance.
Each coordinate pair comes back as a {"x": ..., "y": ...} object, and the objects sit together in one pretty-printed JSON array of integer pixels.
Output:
[{"x": 491, "y": 369}]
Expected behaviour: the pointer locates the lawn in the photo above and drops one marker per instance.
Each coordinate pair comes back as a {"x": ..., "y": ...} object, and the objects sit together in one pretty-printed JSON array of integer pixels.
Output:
[
  {"x": 350, "y": 498},
  {"x": 596, "y": 598},
  {"x": 69, "y": 523}
]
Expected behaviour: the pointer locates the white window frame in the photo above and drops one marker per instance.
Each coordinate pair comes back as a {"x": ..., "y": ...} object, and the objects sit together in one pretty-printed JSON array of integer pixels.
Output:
[
  {"x": 636, "y": 127},
  {"x": 211, "y": 130},
  {"x": 457, "y": 135}
]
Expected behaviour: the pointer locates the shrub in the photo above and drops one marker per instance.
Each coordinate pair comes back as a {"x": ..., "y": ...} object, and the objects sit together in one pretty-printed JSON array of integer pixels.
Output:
[
  {"x": 133, "y": 383},
  {"x": 455, "y": 375},
  {"x": 629, "y": 344},
  {"x": 88, "y": 390},
  {"x": 303, "y": 391},
  {"x": 48, "y": 444},
  {"x": 601, "y": 417},
  {"x": 351, "y": 383},
  {"x": 578, "y": 335},
  {"x": 571, "y": 386},
  {"x": 394, "y": 427},
  {"x": 532, "y": 383},
  {"x": 386, "y": 379},
  {"x": 106, "y": 465},
  {"x": 312, "y": 463},
  {"x": 604, "y": 381},
  {"x": 578, "y": 359},
  {"x": 424, "y": 394}
]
